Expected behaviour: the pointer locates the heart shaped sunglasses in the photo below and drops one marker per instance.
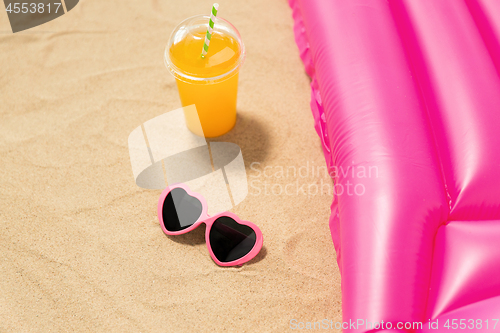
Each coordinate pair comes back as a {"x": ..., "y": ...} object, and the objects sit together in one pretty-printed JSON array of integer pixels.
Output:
[{"x": 230, "y": 240}]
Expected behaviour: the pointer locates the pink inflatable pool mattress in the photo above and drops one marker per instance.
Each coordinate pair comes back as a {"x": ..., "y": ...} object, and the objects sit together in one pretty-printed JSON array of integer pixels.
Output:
[{"x": 406, "y": 101}]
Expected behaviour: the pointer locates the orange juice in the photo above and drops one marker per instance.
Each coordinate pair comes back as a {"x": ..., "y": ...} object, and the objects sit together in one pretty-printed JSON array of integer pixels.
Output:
[{"x": 211, "y": 83}]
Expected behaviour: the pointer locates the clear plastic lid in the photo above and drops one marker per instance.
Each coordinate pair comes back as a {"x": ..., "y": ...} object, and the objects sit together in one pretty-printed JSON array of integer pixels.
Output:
[{"x": 225, "y": 56}]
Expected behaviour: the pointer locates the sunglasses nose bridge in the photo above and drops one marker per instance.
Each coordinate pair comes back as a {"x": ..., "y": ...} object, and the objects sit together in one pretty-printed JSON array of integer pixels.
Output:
[
  {"x": 208, "y": 221},
  {"x": 204, "y": 215}
]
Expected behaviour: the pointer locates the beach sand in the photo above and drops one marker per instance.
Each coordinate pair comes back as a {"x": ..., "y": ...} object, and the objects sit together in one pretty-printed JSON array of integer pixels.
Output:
[{"x": 81, "y": 247}]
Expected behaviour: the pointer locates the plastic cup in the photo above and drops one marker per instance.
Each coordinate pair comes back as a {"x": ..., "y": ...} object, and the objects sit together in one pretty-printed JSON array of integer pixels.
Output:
[{"x": 211, "y": 83}]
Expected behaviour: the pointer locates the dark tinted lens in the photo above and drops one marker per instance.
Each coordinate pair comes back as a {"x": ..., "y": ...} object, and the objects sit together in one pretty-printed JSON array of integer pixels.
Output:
[
  {"x": 180, "y": 210},
  {"x": 230, "y": 240}
]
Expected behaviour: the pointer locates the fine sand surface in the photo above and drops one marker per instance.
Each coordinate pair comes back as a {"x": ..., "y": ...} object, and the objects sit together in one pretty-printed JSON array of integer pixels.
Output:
[{"x": 81, "y": 249}]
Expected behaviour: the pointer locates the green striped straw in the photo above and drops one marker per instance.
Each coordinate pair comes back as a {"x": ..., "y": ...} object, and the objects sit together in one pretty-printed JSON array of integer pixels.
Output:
[{"x": 210, "y": 30}]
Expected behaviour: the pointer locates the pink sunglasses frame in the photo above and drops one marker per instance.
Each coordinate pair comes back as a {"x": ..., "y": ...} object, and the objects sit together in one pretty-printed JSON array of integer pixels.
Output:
[{"x": 209, "y": 221}]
